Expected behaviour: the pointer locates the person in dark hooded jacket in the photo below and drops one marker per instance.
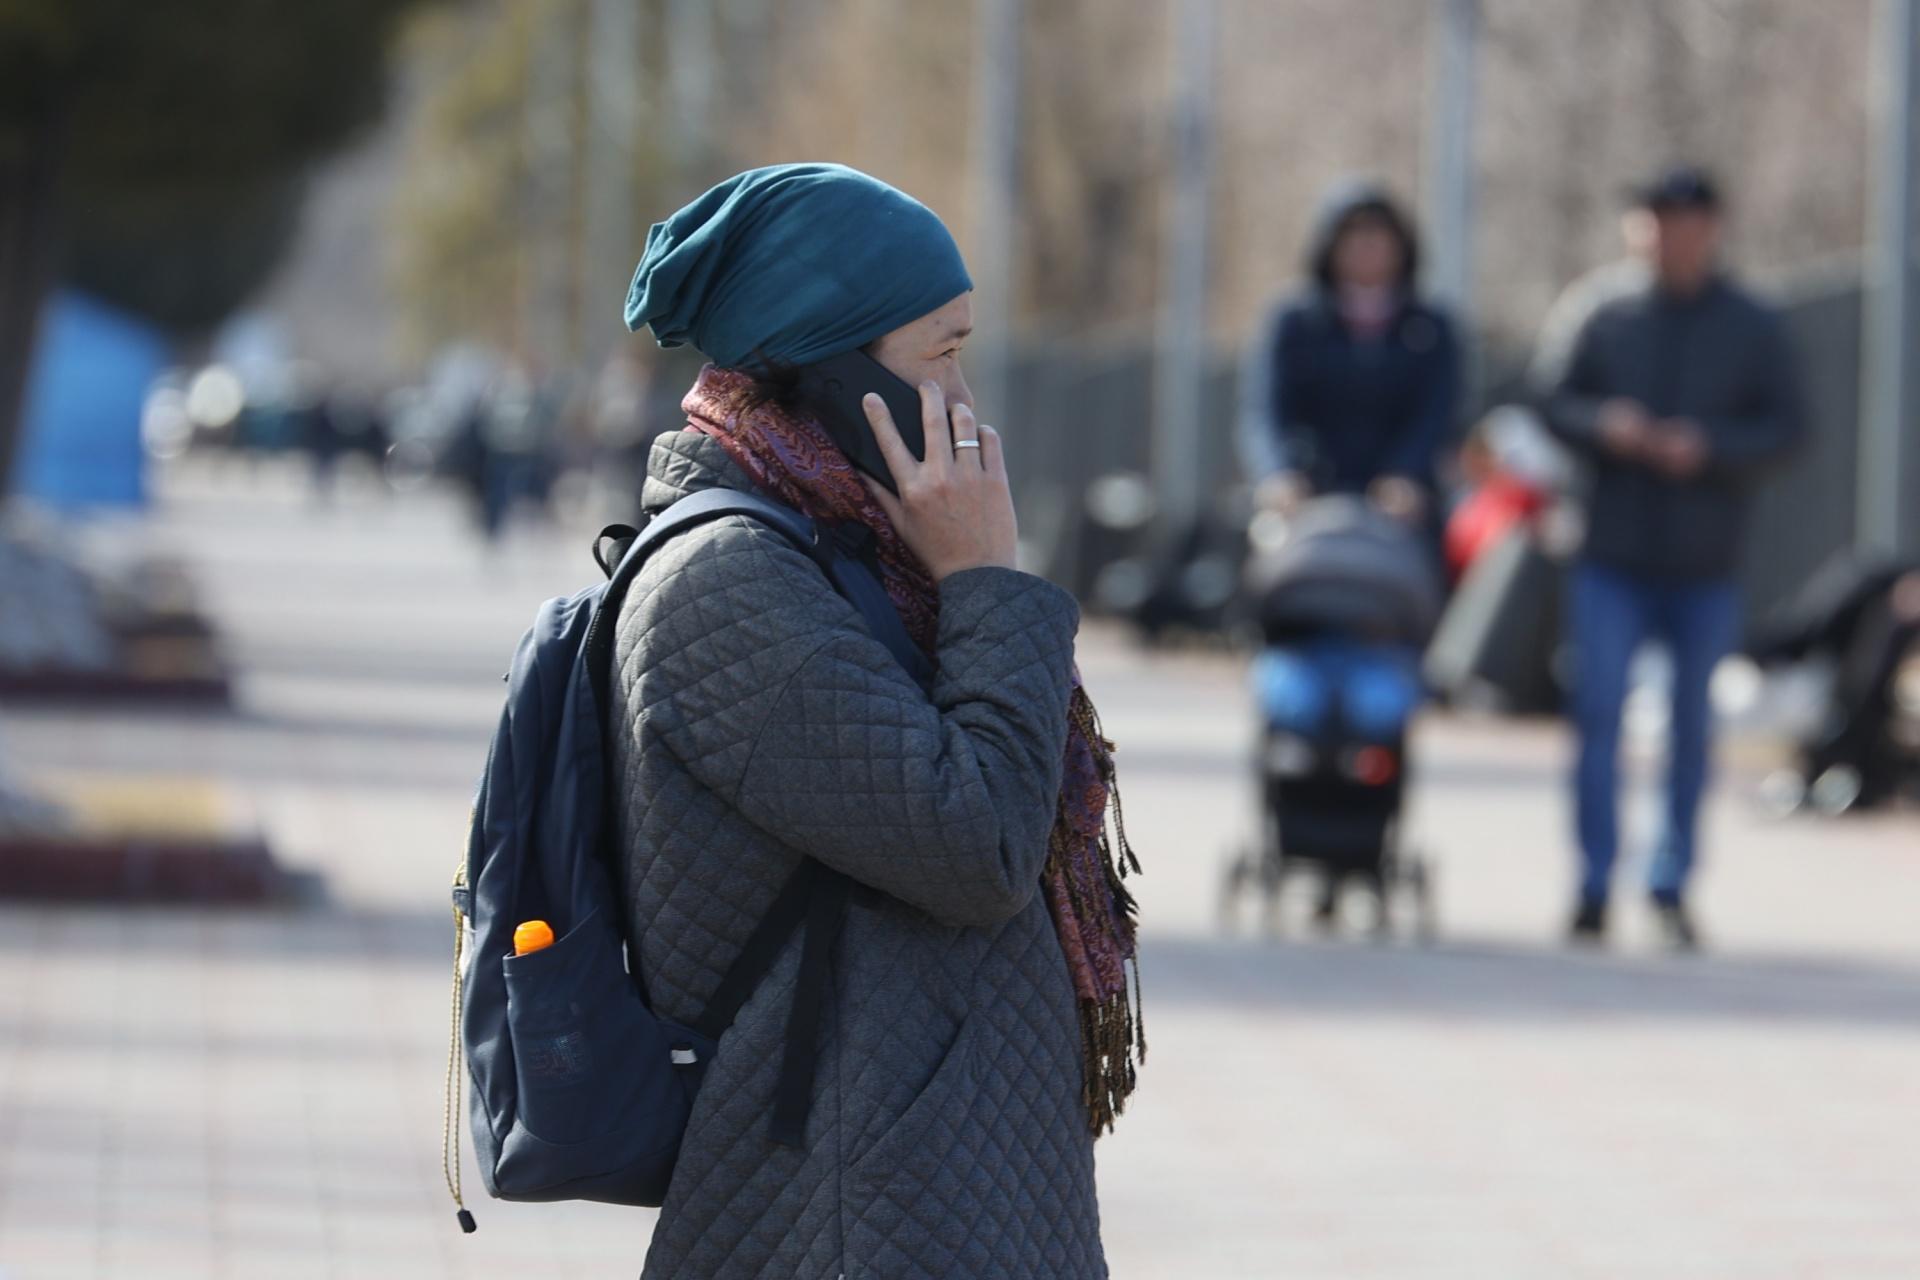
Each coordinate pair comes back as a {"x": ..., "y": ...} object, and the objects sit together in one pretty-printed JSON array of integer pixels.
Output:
[{"x": 1351, "y": 387}]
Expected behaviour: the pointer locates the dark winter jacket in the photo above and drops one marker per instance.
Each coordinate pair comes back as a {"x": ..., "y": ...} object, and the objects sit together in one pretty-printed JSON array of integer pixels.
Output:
[
  {"x": 1719, "y": 358},
  {"x": 763, "y": 724},
  {"x": 1342, "y": 409}
]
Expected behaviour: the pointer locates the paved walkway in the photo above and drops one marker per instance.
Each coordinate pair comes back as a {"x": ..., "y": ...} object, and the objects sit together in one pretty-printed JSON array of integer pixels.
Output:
[{"x": 255, "y": 1094}]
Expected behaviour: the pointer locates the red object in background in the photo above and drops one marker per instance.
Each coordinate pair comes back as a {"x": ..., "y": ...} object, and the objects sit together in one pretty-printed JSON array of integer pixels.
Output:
[
  {"x": 1485, "y": 516},
  {"x": 1374, "y": 766}
]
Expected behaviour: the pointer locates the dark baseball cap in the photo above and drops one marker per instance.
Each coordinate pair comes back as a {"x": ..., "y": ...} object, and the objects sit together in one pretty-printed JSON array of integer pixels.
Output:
[{"x": 1680, "y": 187}]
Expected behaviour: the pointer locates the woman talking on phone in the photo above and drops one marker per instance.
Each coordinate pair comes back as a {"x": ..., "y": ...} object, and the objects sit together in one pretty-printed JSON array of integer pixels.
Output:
[{"x": 976, "y": 1029}]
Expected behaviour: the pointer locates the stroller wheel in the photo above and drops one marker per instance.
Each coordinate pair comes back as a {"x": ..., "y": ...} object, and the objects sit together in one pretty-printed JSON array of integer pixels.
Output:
[
  {"x": 1783, "y": 793},
  {"x": 1241, "y": 872},
  {"x": 1270, "y": 871},
  {"x": 1272, "y": 877},
  {"x": 1381, "y": 888},
  {"x": 1233, "y": 879},
  {"x": 1326, "y": 908},
  {"x": 1419, "y": 878},
  {"x": 1837, "y": 789}
]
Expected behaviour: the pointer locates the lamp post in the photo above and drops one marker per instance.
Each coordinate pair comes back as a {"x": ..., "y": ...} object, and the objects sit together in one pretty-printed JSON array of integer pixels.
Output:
[
  {"x": 1886, "y": 464},
  {"x": 1180, "y": 372},
  {"x": 996, "y": 200},
  {"x": 1449, "y": 153}
]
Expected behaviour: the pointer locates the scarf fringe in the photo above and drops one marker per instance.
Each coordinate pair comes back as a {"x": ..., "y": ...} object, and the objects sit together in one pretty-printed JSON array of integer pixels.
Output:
[
  {"x": 1113, "y": 1032},
  {"x": 1109, "y": 1033}
]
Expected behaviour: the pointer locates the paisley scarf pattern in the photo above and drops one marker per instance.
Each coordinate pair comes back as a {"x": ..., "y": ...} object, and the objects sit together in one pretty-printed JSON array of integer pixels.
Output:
[{"x": 790, "y": 458}]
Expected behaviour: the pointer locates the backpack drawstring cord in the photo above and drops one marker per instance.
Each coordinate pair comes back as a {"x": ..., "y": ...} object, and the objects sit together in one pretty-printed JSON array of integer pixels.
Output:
[{"x": 450, "y": 1121}]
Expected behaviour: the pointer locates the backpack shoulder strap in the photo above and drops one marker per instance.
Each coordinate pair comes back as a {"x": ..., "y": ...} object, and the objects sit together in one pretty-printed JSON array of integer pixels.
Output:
[
  {"x": 714, "y": 504},
  {"x": 814, "y": 896},
  {"x": 854, "y": 576},
  {"x": 629, "y": 550},
  {"x": 850, "y": 574}
]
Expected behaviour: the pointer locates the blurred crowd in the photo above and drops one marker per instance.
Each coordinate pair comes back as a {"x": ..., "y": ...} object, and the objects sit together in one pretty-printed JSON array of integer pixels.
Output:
[{"x": 501, "y": 430}]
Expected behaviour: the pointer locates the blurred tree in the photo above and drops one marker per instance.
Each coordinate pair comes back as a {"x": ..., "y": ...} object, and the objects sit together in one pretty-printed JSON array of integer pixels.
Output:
[
  {"x": 487, "y": 209},
  {"x": 493, "y": 208},
  {"x": 492, "y": 202},
  {"x": 154, "y": 153},
  {"x": 459, "y": 244},
  {"x": 1577, "y": 99}
]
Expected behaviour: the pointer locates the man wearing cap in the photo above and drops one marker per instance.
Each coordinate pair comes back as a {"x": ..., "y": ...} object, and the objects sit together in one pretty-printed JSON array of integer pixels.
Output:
[{"x": 1676, "y": 388}]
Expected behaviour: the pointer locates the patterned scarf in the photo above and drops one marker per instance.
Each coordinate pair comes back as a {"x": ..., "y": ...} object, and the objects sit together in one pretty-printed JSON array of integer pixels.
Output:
[{"x": 790, "y": 458}]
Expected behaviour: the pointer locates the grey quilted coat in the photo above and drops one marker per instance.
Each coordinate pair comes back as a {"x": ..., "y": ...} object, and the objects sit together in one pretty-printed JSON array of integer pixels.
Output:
[{"x": 947, "y": 1137}]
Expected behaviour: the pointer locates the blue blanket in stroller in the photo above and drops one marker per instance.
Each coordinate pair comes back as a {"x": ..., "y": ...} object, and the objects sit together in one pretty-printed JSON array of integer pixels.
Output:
[{"x": 1355, "y": 691}]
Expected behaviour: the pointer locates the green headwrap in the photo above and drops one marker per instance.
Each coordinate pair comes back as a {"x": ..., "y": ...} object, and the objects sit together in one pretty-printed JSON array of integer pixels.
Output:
[{"x": 791, "y": 264}]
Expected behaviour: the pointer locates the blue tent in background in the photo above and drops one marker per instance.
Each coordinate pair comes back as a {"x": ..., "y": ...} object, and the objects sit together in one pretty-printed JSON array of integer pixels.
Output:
[{"x": 91, "y": 369}]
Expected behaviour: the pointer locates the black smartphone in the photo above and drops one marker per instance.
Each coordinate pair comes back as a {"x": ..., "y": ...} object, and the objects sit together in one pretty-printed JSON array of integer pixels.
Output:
[{"x": 831, "y": 389}]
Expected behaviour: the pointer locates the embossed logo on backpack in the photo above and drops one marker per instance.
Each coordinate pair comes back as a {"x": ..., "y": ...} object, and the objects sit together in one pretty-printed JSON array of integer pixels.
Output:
[{"x": 557, "y": 1060}]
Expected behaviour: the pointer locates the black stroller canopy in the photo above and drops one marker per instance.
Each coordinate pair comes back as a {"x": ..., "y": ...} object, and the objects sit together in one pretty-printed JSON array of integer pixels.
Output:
[{"x": 1342, "y": 567}]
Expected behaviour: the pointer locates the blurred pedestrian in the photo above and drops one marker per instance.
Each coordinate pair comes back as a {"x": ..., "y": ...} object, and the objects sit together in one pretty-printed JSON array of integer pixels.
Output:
[
  {"x": 1676, "y": 389},
  {"x": 978, "y": 1026},
  {"x": 1352, "y": 385},
  {"x": 319, "y": 431},
  {"x": 621, "y": 431},
  {"x": 504, "y": 446}
]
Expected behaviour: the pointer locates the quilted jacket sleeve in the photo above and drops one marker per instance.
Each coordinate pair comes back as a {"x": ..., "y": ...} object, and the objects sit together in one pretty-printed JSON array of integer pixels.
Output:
[{"x": 765, "y": 683}]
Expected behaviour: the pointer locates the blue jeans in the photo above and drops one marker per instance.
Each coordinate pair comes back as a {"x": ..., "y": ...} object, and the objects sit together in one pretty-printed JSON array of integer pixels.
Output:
[{"x": 1613, "y": 614}]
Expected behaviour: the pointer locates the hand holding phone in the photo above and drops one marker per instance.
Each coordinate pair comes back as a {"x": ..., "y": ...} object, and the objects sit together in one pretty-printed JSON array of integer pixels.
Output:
[{"x": 952, "y": 506}]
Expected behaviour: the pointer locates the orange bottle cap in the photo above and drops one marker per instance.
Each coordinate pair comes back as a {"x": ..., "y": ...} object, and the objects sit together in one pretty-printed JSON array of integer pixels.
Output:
[{"x": 532, "y": 936}]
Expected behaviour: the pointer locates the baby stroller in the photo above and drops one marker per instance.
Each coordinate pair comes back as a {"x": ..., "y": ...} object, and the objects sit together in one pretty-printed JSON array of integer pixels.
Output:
[{"x": 1343, "y": 598}]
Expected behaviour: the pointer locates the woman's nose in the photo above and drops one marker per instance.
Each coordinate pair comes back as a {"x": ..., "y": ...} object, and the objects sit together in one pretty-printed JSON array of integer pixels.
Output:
[{"x": 957, "y": 390}]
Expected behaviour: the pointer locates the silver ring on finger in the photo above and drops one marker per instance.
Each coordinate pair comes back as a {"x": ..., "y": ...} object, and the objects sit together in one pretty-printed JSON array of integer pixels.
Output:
[{"x": 958, "y": 445}]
